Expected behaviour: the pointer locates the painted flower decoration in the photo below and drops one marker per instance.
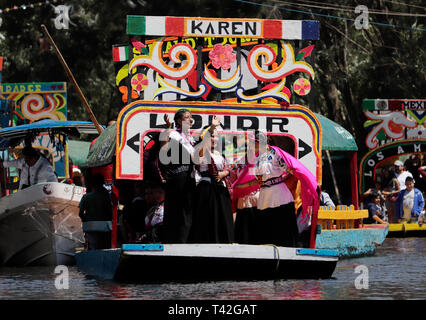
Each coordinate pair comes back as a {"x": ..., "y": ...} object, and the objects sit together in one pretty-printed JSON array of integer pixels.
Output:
[
  {"x": 139, "y": 82},
  {"x": 124, "y": 97},
  {"x": 222, "y": 56},
  {"x": 302, "y": 86}
]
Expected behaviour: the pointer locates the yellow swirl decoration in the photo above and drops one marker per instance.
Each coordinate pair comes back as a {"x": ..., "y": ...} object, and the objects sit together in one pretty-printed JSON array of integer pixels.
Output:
[
  {"x": 287, "y": 66},
  {"x": 155, "y": 60},
  {"x": 34, "y": 108}
]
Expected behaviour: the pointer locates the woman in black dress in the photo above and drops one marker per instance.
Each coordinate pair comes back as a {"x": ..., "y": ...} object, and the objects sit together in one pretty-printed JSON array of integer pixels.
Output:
[
  {"x": 177, "y": 168},
  {"x": 213, "y": 221}
]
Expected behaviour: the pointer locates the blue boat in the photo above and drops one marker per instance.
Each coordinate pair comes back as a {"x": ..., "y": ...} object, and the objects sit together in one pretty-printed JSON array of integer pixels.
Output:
[
  {"x": 342, "y": 230},
  {"x": 194, "y": 262}
]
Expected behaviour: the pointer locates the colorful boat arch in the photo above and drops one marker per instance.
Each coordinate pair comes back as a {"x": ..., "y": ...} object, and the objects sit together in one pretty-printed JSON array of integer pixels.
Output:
[
  {"x": 373, "y": 159},
  {"x": 140, "y": 117}
]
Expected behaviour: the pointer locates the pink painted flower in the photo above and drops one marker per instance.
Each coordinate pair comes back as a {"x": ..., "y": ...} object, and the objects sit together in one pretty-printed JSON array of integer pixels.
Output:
[{"x": 222, "y": 56}]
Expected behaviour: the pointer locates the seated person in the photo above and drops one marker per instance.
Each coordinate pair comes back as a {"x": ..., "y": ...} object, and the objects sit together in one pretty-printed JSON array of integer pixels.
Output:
[
  {"x": 410, "y": 203},
  {"x": 375, "y": 212},
  {"x": 154, "y": 216},
  {"x": 136, "y": 210},
  {"x": 96, "y": 214},
  {"x": 325, "y": 200},
  {"x": 34, "y": 168}
]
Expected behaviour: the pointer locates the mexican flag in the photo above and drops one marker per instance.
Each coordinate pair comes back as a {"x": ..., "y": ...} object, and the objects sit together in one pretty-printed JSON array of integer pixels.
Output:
[{"x": 120, "y": 53}]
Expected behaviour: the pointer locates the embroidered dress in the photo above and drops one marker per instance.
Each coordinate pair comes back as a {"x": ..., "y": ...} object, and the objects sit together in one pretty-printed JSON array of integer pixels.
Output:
[
  {"x": 213, "y": 221},
  {"x": 276, "y": 221},
  {"x": 273, "y": 194}
]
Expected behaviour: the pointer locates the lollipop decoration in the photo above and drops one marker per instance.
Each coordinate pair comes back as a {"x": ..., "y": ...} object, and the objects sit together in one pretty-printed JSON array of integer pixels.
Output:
[{"x": 302, "y": 86}]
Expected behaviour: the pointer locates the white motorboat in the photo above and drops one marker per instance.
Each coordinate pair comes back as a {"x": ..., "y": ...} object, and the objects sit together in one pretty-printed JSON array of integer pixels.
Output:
[{"x": 40, "y": 225}]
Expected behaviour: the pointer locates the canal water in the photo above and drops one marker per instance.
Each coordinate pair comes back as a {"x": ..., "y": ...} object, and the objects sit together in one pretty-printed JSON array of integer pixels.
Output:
[{"x": 396, "y": 272}]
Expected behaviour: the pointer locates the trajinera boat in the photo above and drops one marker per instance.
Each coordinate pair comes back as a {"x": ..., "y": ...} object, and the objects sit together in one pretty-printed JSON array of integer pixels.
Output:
[
  {"x": 39, "y": 225},
  {"x": 168, "y": 73},
  {"x": 246, "y": 92}
]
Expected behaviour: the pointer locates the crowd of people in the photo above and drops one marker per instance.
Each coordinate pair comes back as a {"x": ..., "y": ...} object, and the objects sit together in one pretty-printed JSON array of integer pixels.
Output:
[{"x": 398, "y": 193}]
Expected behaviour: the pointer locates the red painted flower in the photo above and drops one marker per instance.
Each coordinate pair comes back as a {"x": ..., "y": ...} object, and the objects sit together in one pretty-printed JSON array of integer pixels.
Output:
[
  {"x": 139, "y": 82},
  {"x": 302, "y": 86},
  {"x": 222, "y": 56}
]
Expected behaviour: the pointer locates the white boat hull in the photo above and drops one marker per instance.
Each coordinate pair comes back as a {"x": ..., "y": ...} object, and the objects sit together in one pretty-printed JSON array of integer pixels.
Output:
[{"x": 40, "y": 225}]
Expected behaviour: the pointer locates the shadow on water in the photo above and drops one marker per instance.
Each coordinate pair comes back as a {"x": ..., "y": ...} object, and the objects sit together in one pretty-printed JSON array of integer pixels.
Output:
[{"x": 396, "y": 271}]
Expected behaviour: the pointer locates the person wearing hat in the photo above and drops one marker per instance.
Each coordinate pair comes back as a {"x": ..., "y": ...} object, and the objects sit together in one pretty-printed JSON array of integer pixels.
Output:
[
  {"x": 34, "y": 168},
  {"x": 401, "y": 174}
]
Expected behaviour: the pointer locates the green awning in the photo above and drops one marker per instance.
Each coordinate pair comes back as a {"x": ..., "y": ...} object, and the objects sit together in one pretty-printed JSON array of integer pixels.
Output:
[
  {"x": 335, "y": 137},
  {"x": 103, "y": 149},
  {"x": 78, "y": 151}
]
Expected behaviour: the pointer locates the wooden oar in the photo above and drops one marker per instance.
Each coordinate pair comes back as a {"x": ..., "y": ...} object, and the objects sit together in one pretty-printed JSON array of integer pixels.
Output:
[{"x": 73, "y": 81}]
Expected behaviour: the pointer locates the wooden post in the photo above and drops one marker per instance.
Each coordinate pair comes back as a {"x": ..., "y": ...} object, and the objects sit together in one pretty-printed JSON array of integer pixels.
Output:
[
  {"x": 314, "y": 223},
  {"x": 114, "y": 226},
  {"x": 72, "y": 79},
  {"x": 354, "y": 178}
]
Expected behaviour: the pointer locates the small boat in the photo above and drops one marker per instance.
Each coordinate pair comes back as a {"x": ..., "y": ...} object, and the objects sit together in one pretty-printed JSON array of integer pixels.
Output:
[
  {"x": 193, "y": 262},
  {"x": 39, "y": 225},
  {"x": 402, "y": 230},
  {"x": 342, "y": 230}
]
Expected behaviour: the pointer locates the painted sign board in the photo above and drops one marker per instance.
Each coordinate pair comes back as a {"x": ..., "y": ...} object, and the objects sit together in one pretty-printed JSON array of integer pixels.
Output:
[
  {"x": 36, "y": 101},
  {"x": 375, "y": 158},
  {"x": 222, "y": 27},
  {"x": 138, "y": 118},
  {"x": 391, "y": 120}
]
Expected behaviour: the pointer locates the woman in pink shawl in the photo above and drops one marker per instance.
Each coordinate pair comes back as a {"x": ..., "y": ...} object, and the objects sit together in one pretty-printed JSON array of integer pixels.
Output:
[{"x": 276, "y": 218}]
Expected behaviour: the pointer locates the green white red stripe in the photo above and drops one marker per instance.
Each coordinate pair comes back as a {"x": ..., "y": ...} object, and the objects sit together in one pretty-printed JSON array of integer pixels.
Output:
[
  {"x": 393, "y": 104},
  {"x": 223, "y": 27},
  {"x": 120, "y": 53}
]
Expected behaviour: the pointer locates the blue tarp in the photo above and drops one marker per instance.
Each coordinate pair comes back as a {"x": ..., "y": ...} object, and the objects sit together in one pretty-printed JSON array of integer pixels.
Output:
[{"x": 65, "y": 127}]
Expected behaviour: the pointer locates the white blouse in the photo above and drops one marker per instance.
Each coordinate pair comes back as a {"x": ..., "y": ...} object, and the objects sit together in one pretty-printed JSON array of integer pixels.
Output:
[
  {"x": 219, "y": 161},
  {"x": 186, "y": 140},
  {"x": 270, "y": 165}
]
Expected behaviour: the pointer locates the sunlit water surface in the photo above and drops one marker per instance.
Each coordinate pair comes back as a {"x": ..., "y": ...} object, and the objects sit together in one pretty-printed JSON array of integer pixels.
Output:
[{"x": 397, "y": 271}]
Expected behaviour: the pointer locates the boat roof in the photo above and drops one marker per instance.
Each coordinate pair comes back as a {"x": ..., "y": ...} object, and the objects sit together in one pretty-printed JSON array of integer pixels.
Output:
[
  {"x": 10, "y": 135},
  {"x": 334, "y": 136}
]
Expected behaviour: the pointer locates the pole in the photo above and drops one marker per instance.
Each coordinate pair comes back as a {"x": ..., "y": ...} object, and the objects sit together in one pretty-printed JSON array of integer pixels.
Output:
[
  {"x": 72, "y": 79},
  {"x": 354, "y": 180}
]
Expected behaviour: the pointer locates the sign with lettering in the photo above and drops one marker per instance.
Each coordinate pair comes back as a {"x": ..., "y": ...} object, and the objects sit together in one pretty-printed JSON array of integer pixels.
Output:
[
  {"x": 391, "y": 120},
  {"x": 36, "y": 101},
  {"x": 375, "y": 158},
  {"x": 296, "y": 123},
  {"x": 222, "y": 27}
]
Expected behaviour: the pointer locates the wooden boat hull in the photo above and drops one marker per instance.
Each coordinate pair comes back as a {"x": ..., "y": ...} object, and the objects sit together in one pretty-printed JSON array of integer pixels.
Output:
[
  {"x": 352, "y": 243},
  {"x": 40, "y": 225},
  {"x": 195, "y": 262},
  {"x": 401, "y": 230}
]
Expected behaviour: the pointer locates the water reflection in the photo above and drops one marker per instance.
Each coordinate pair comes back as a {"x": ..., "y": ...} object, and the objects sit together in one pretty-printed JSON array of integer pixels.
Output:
[{"x": 395, "y": 272}]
